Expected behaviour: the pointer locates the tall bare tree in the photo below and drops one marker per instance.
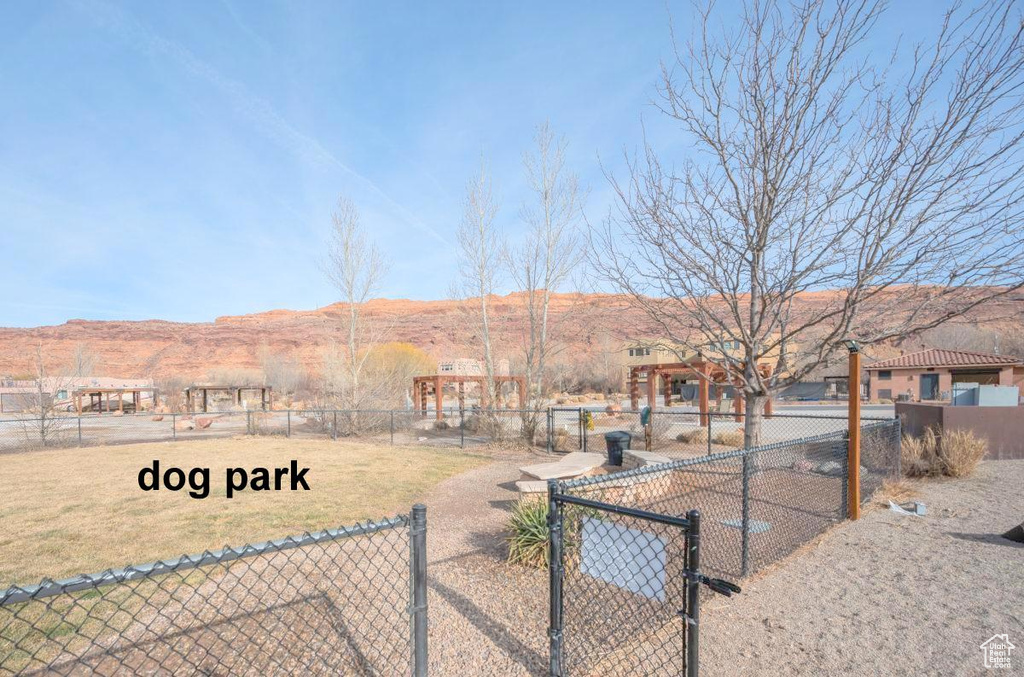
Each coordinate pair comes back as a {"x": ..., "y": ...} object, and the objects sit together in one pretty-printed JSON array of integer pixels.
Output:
[
  {"x": 83, "y": 361},
  {"x": 892, "y": 194},
  {"x": 551, "y": 251},
  {"x": 356, "y": 267},
  {"x": 481, "y": 250}
]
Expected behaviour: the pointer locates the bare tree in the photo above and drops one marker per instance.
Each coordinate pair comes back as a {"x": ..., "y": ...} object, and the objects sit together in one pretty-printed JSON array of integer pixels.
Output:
[
  {"x": 891, "y": 195},
  {"x": 83, "y": 361},
  {"x": 355, "y": 266},
  {"x": 481, "y": 250},
  {"x": 551, "y": 251},
  {"x": 50, "y": 425}
]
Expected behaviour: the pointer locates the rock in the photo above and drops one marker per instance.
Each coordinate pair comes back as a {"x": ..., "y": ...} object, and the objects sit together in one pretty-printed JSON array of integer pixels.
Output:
[
  {"x": 204, "y": 422},
  {"x": 184, "y": 424},
  {"x": 613, "y": 408},
  {"x": 803, "y": 465},
  {"x": 158, "y": 418},
  {"x": 831, "y": 468},
  {"x": 117, "y": 412}
]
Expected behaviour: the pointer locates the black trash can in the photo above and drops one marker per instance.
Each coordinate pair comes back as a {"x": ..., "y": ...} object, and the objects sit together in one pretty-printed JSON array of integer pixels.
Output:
[{"x": 617, "y": 442}]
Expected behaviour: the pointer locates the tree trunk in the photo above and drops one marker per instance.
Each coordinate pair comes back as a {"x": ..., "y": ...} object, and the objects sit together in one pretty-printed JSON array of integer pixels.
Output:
[{"x": 752, "y": 417}]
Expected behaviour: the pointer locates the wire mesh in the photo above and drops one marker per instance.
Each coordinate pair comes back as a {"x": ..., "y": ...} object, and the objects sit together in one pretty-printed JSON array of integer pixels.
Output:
[
  {"x": 623, "y": 590},
  {"x": 335, "y": 602},
  {"x": 623, "y": 581}
]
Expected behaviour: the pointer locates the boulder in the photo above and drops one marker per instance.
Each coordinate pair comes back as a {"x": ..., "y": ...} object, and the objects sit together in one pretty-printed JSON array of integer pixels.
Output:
[
  {"x": 203, "y": 422},
  {"x": 613, "y": 408},
  {"x": 184, "y": 424},
  {"x": 158, "y": 418}
]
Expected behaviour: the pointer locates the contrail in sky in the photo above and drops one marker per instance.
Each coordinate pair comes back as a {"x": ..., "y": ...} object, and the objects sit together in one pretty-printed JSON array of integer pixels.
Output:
[{"x": 258, "y": 110}]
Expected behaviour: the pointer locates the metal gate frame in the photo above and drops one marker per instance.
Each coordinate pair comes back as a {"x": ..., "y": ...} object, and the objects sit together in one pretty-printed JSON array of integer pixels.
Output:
[{"x": 690, "y": 613}]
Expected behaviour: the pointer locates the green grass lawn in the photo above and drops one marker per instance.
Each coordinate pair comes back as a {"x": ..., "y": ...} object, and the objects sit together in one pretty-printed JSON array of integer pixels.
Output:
[{"x": 71, "y": 511}]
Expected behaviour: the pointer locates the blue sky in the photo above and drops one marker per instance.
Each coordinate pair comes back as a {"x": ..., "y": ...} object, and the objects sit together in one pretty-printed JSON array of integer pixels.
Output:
[{"x": 181, "y": 160}]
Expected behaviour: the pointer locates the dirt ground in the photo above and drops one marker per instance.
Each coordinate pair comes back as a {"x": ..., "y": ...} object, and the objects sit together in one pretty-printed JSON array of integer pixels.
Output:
[{"x": 888, "y": 595}]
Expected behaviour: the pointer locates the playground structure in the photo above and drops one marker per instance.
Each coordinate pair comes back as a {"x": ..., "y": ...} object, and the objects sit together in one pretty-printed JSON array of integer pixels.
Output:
[
  {"x": 200, "y": 394},
  {"x": 424, "y": 386},
  {"x": 706, "y": 374},
  {"x": 98, "y": 396}
]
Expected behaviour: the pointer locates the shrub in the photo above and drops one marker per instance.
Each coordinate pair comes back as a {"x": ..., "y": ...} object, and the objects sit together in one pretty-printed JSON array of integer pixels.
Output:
[
  {"x": 729, "y": 438},
  {"x": 695, "y": 436},
  {"x": 955, "y": 453},
  {"x": 528, "y": 537},
  {"x": 919, "y": 455},
  {"x": 961, "y": 452},
  {"x": 528, "y": 531}
]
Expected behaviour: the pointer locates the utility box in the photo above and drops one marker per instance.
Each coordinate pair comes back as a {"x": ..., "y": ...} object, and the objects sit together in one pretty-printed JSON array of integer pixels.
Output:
[{"x": 998, "y": 396}]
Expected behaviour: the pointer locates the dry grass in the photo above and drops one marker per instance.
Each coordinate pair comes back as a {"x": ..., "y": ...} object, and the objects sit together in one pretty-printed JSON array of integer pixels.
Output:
[
  {"x": 728, "y": 438},
  {"x": 694, "y": 436},
  {"x": 897, "y": 491},
  {"x": 81, "y": 510},
  {"x": 954, "y": 453}
]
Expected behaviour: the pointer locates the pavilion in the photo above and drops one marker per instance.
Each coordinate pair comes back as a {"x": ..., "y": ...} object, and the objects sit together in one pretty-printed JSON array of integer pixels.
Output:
[
  {"x": 422, "y": 386},
  {"x": 98, "y": 395},
  {"x": 707, "y": 373},
  {"x": 196, "y": 394}
]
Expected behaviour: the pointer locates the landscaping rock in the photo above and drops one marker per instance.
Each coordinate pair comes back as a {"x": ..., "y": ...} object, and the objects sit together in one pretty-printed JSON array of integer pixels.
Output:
[
  {"x": 184, "y": 424},
  {"x": 204, "y": 423}
]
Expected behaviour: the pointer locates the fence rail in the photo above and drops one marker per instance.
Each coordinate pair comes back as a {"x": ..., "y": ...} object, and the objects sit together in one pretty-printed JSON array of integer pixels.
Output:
[
  {"x": 675, "y": 433},
  {"x": 348, "y": 600}
]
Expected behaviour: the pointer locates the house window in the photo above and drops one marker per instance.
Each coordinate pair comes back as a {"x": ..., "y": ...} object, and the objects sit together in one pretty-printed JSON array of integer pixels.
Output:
[
  {"x": 639, "y": 352},
  {"x": 884, "y": 375},
  {"x": 885, "y": 394}
]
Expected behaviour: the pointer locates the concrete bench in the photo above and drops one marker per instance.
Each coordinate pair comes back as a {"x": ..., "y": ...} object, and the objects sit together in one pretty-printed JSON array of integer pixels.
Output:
[
  {"x": 532, "y": 487},
  {"x": 634, "y": 458},
  {"x": 573, "y": 465}
]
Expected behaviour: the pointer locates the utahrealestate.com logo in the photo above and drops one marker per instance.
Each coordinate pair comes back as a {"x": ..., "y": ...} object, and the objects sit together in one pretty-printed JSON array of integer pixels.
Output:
[{"x": 997, "y": 651}]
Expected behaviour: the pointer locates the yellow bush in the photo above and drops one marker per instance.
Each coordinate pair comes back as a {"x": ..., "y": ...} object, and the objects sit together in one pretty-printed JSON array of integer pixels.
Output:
[
  {"x": 954, "y": 453},
  {"x": 729, "y": 438}
]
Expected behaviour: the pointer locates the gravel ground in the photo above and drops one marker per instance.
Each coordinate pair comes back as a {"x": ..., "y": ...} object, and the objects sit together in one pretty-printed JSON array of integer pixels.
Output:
[{"x": 887, "y": 595}]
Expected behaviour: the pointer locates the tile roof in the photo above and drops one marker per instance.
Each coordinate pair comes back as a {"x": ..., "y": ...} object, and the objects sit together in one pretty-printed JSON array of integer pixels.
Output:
[{"x": 937, "y": 357}]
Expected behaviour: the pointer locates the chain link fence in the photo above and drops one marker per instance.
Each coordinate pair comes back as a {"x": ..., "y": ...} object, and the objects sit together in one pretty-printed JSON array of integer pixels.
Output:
[
  {"x": 676, "y": 434},
  {"x": 344, "y": 601},
  {"x": 623, "y": 580}
]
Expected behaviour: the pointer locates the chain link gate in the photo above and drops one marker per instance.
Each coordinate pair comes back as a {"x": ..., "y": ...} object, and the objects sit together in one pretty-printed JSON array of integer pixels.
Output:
[{"x": 624, "y": 589}]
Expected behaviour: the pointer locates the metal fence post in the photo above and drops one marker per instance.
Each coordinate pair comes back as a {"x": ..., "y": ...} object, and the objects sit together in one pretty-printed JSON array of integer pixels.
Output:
[
  {"x": 898, "y": 432},
  {"x": 79, "y": 430},
  {"x": 289, "y": 432},
  {"x": 248, "y": 423},
  {"x": 841, "y": 451},
  {"x": 710, "y": 419},
  {"x": 551, "y": 430},
  {"x": 174, "y": 426},
  {"x": 418, "y": 577},
  {"x": 334, "y": 425},
  {"x": 555, "y": 579},
  {"x": 462, "y": 430},
  {"x": 693, "y": 595},
  {"x": 745, "y": 548},
  {"x": 392, "y": 427}
]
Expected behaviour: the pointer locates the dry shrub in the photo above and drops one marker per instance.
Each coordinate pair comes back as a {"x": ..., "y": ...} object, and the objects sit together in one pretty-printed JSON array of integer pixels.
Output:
[
  {"x": 961, "y": 451},
  {"x": 955, "y": 453},
  {"x": 729, "y": 438},
  {"x": 920, "y": 455},
  {"x": 695, "y": 436},
  {"x": 897, "y": 491}
]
